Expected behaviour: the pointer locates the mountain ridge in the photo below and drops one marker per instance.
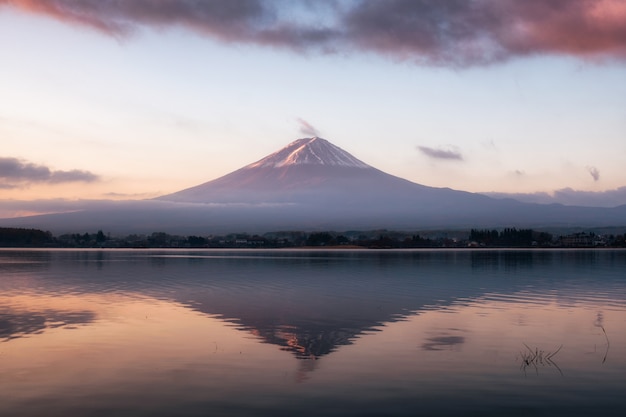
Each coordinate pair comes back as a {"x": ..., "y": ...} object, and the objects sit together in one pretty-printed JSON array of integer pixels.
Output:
[{"x": 305, "y": 170}]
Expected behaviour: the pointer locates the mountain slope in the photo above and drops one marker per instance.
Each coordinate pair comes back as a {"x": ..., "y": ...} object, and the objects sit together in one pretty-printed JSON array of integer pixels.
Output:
[
  {"x": 312, "y": 170},
  {"x": 300, "y": 169}
]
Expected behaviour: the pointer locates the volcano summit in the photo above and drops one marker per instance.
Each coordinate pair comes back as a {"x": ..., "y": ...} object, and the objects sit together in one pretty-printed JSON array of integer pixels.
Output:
[
  {"x": 305, "y": 169},
  {"x": 314, "y": 171}
]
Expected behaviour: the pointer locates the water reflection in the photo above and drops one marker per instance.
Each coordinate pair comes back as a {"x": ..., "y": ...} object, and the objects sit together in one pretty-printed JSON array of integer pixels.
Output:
[
  {"x": 14, "y": 324},
  {"x": 332, "y": 333},
  {"x": 536, "y": 358},
  {"x": 443, "y": 342},
  {"x": 310, "y": 303}
]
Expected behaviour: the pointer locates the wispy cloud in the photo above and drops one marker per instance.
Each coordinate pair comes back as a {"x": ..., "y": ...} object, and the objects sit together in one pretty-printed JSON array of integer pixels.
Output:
[
  {"x": 434, "y": 32},
  {"x": 593, "y": 171},
  {"x": 451, "y": 154},
  {"x": 571, "y": 197},
  {"x": 19, "y": 208},
  {"x": 16, "y": 172},
  {"x": 307, "y": 128},
  {"x": 132, "y": 196}
]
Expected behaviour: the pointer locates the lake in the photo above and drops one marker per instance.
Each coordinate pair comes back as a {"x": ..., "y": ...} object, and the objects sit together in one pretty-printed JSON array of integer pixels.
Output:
[{"x": 312, "y": 333}]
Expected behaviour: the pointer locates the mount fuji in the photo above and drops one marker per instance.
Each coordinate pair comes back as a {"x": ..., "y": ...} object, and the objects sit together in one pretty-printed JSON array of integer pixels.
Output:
[
  {"x": 310, "y": 185},
  {"x": 311, "y": 171}
]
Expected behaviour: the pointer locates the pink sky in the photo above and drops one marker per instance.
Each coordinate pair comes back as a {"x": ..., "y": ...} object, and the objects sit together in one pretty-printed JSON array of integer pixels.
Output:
[{"x": 137, "y": 99}]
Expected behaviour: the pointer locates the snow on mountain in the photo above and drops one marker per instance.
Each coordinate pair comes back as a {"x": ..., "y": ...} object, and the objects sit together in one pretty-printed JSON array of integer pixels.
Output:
[
  {"x": 309, "y": 151},
  {"x": 306, "y": 169}
]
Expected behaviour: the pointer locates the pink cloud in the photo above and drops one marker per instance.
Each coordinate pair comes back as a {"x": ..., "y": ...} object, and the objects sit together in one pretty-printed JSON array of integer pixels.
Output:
[{"x": 433, "y": 32}]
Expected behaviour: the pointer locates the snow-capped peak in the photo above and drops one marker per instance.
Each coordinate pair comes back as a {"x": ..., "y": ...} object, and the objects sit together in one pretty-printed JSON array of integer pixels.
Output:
[{"x": 310, "y": 151}]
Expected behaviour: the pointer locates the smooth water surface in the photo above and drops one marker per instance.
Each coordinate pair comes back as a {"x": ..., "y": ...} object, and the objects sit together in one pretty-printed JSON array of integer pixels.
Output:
[{"x": 312, "y": 333}]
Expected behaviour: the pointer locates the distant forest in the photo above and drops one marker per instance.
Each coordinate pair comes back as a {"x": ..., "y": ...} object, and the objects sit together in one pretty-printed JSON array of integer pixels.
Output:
[{"x": 377, "y": 239}]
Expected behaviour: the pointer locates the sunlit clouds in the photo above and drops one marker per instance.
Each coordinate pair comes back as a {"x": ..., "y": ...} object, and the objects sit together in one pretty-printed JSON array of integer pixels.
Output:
[{"x": 448, "y": 33}]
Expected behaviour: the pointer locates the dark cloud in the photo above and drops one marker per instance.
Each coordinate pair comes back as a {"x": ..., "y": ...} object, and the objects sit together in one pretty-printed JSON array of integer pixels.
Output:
[
  {"x": 595, "y": 174},
  {"x": 441, "y": 153},
  {"x": 13, "y": 169},
  {"x": 72, "y": 176},
  {"x": 223, "y": 19},
  {"x": 307, "y": 128},
  {"x": 15, "y": 172},
  {"x": 434, "y": 32}
]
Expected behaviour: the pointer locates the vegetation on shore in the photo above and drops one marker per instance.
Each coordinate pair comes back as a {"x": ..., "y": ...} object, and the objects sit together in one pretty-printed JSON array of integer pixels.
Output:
[{"x": 380, "y": 239}]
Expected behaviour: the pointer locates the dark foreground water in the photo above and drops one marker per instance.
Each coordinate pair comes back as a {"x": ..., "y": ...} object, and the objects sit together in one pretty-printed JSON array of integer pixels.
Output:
[{"x": 312, "y": 333}]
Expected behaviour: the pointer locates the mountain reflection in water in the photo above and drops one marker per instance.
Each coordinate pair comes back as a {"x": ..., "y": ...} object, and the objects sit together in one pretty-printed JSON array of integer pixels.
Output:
[{"x": 380, "y": 332}]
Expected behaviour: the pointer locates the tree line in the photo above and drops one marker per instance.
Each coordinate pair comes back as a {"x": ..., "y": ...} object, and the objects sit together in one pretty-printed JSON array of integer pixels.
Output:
[
  {"x": 382, "y": 239},
  {"x": 510, "y": 237}
]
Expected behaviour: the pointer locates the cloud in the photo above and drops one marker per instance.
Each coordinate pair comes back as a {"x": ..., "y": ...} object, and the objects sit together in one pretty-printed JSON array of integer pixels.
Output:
[
  {"x": 460, "y": 32},
  {"x": 307, "y": 129},
  {"x": 433, "y": 32},
  {"x": 14, "y": 169},
  {"x": 593, "y": 171},
  {"x": 132, "y": 196},
  {"x": 15, "y": 172},
  {"x": 20, "y": 208},
  {"x": 570, "y": 197},
  {"x": 74, "y": 175},
  {"x": 441, "y": 153}
]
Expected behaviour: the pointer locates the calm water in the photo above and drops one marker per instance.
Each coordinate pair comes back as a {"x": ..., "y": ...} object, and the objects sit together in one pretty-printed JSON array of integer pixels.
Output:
[{"x": 312, "y": 333}]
